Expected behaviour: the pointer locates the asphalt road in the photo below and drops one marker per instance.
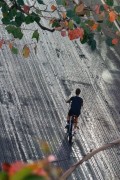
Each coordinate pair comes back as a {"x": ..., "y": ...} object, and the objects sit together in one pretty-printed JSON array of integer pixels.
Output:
[{"x": 32, "y": 105}]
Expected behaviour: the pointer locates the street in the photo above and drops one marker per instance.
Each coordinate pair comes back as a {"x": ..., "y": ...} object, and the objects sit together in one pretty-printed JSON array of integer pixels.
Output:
[{"x": 33, "y": 108}]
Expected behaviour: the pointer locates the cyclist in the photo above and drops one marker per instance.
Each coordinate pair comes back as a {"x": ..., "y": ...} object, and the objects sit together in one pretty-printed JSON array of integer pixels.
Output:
[{"x": 75, "y": 108}]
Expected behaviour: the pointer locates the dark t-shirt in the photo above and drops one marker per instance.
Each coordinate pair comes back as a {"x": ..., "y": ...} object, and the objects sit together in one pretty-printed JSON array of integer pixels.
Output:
[{"x": 76, "y": 104}]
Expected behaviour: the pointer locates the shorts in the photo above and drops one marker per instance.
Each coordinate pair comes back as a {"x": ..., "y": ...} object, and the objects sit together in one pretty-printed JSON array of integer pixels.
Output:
[{"x": 70, "y": 113}]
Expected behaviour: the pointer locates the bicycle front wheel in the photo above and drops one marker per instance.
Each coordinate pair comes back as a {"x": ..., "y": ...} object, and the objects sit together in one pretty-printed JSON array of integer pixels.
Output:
[{"x": 70, "y": 138}]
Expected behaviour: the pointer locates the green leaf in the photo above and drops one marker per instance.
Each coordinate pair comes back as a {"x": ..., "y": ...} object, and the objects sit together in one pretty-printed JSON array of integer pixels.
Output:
[
  {"x": 1, "y": 4},
  {"x": 109, "y": 24},
  {"x": 5, "y": 8},
  {"x": 70, "y": 24},
  {"x": 6, "y": 20},
  {"x": 91, "y": 36},
  {"x": 109, "y": 2},
  {"x": 35, "y": 17},
  {"x": 36, "y": 35},
  {"x": 59, "y": 2},
  {"x": 14, "y": 51},
  {"x": 102, "y": 8},
  {"x": 15, "y": 31},
  {"x": 70, "y": 13},
  {"x": 56, "y": 24},
  {"x": 12, "y": 13},
  {"x": 20, "y": 2},
  {"x": 34, "y": 177},
  {"x": 109, "y": 41},
  {"x": 19, "y": 19},
  {"x": 3, "y": 176},
  {"x": 28, "y": 19},
  {"x": 90, "y": 22},
  {"x": 22, "y": 174},
  {"x": 99, "y": 28},
  {"x": 77, "y": 19},
  {"x": 118, "y": 19},
  {"x": 117, "y": 9},
  {"x": 93, "y": 45},
  {"x": 40, "y": 1},
  {"x": 85, "y": 38}
]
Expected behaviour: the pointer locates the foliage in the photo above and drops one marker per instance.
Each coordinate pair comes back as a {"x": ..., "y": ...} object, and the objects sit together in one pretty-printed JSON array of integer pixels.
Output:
[
  {"x": 44, "y": 169},
  {"x": 37, "y": 170},
  {"x": 76, "y": 20}
]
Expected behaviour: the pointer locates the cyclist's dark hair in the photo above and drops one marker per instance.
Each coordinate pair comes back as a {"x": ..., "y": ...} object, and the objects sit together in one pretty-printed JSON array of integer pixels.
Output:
[{"x": 78, "y": 91}]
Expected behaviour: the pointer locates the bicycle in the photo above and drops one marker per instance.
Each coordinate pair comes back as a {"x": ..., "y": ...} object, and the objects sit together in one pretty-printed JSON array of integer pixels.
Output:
[{"x": 70, "y": 133}]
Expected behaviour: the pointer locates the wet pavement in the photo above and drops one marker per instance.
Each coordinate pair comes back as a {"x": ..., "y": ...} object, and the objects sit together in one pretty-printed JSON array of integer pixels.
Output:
[{"x": 33, "y": 108}]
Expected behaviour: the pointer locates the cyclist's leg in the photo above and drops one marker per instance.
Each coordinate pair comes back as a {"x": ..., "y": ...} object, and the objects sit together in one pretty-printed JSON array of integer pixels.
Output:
[
  {"x": 69, "y": 114},
  {"x": 75, "y": 122},
  {"x": 68, "y": 118}
]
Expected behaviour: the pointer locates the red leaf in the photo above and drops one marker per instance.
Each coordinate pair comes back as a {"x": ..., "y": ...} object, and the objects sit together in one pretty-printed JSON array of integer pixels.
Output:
[
  {"x": 26, "y": 8},
  {"x": 16, "y": 166},
  {"x": 5, "y": 167},
  {"x": 106, "y": 7},
  {"x": 1, "y": 43},
  {"x": 115, "y": 41},
  {"x": 97, "y": 8}
]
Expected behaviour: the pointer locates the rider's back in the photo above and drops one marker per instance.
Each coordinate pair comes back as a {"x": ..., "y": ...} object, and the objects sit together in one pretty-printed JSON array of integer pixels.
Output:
[{"x": 76, "y": 104}]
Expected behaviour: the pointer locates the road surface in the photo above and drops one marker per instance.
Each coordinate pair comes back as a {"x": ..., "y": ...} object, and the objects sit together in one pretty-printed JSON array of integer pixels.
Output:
[{"x": 32, "y": 105}]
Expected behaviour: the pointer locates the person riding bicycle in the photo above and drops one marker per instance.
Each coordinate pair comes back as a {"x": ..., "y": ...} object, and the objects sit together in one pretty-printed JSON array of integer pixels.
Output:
[{"x": 75, "y": 108}]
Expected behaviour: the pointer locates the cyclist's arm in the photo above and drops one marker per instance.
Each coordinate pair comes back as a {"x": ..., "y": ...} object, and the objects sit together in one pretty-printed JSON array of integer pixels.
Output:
[{"x": 69, "y": 100}]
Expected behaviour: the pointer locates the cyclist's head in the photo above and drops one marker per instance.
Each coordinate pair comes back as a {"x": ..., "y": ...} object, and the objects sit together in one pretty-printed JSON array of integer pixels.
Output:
[{"x": 78, "y": 91}]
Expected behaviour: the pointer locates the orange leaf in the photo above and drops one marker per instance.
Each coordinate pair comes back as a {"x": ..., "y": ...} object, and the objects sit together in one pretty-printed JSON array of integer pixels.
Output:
[
  {"x": 53, "y": 7},
  {"x": 97, "y": 9},
  {"x": 76, "y": 33},
  {"x": 1, "y": 43},
  {"x": 26, "y": 8},
  {"x": 94, "y": 27},
  {"x": 79, "y": 32},
  {"x": 63, "y": 15},
  {"x": 115, "y": 41},
  {"x": 79, "y": 8},
  {"x": 10, "y": 45},
  {"x": 66, "y": 23},
  {"x": 26, "y": 51},
  {"x": 112, "y": 16}
]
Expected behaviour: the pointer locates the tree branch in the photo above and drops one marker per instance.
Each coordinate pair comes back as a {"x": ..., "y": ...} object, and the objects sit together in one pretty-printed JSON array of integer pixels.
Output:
[
  {"x": 21, "y": 10},
  {"x": 67, "y": 173}
]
